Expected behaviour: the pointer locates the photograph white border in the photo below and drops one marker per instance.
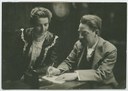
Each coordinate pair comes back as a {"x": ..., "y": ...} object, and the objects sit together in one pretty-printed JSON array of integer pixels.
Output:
[{"x": 59, "y": 1}]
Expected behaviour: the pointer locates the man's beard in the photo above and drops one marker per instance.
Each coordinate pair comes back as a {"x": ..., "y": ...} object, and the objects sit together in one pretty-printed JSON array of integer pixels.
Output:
[{"x": 83, "y": 41}]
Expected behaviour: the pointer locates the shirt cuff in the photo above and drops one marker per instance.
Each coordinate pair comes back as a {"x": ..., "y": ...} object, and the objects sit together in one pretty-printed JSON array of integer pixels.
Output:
[
  {"x": 77, "y": 74},
  {"x": 62, "y": 70}
]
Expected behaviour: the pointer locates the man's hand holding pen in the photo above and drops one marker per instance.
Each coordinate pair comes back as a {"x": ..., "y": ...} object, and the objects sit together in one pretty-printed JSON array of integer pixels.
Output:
[{"x": 52, "y": 71}]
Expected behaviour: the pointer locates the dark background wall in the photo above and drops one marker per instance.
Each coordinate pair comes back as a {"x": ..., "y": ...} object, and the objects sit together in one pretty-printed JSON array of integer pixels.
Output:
[{"x": 16, "y": 16}]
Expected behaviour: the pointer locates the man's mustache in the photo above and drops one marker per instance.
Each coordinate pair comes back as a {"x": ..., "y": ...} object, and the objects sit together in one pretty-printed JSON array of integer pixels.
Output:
[{"x": 82, "y": 40}]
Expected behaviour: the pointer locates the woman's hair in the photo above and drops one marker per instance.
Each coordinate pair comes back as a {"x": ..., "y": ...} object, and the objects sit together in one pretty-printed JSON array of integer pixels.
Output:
[
  {"x": 94, "y": 22},
  {"x": 39, "y": 12}
]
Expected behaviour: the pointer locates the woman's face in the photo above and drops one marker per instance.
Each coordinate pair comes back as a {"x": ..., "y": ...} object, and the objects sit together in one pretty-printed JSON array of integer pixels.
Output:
[
  {"x": 41, "y": 25},
  {"x": 61, "y": 9}
]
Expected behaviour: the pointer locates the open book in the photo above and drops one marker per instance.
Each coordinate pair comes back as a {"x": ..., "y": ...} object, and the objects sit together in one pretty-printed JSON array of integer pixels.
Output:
[{"x": 53, "y": 79}]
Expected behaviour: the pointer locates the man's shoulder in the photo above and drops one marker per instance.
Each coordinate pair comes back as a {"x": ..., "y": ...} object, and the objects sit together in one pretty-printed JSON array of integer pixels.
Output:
[
  {"x": 106, "y": 45},
  {"x": 78, "y": 44}
]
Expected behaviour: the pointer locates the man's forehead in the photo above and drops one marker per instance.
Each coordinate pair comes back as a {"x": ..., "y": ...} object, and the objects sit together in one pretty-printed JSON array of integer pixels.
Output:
[{"x": 83, "y": 26}]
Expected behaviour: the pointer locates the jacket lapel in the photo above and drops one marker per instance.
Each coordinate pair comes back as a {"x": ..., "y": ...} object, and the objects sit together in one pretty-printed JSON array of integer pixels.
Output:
[
  {"x": 82, "y": 54},
  {"x": 81, "y": 57},
  {"x": 98, "y": 52}
]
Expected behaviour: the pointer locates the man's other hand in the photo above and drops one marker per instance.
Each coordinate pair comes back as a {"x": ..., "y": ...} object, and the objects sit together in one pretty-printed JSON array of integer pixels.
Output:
[{"x": 67, "y": 77}]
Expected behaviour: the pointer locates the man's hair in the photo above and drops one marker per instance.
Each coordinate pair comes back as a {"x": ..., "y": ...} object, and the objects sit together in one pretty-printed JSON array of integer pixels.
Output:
[
  {"x": 94, "y": 22},
  {"x": 39, "y": 12}
]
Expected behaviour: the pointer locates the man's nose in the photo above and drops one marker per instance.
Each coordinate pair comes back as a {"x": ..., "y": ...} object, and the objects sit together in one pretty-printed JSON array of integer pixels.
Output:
[{"x": 42, "y": 26}]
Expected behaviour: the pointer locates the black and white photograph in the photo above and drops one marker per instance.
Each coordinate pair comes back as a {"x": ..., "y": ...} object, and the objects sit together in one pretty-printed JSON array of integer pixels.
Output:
[{"x": 64, "y": 45}]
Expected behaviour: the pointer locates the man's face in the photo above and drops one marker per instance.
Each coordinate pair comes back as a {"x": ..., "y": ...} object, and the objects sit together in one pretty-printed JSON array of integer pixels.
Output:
[
  {"x": 86, "y": 35},
  {"x": 41, "y": 25}
]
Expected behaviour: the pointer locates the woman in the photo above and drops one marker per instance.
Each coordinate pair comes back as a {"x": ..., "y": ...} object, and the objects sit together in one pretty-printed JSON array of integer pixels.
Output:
[{"x": 39, "y": 49}]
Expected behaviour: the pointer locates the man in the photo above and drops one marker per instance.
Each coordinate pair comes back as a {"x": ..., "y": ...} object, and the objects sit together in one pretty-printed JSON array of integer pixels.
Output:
[{"x": 92, "y": 58}]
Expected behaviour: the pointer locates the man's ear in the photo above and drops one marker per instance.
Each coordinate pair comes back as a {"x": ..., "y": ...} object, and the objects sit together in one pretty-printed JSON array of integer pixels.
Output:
[{"x": 97, "y": 31}]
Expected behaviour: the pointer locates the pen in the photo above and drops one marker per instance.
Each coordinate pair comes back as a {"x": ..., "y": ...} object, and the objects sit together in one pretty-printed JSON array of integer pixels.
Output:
[
  {"x": 49, "y": 69},
  {"x": 52, "y": 64}
]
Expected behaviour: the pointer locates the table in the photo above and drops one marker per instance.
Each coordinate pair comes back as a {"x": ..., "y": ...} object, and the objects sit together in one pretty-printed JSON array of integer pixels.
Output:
[
  {"x": 66, "y": 85},
  {"x": 46, "y": 85}
]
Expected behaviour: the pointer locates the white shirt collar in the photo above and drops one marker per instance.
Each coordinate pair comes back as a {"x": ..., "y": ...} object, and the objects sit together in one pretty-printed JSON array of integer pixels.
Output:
[
  {"x": 93, "y": 47},
  {"x": 90, "y": 50}
]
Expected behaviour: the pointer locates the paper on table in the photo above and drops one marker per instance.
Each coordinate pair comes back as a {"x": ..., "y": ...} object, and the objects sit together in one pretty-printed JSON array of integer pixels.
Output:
[{"x": 53, "y": 79}]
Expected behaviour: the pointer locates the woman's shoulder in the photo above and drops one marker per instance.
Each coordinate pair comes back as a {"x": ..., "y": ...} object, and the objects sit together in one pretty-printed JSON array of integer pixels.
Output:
[
  {"x": 23, "y": 33},
  {"x": 28, "y": 31}
]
